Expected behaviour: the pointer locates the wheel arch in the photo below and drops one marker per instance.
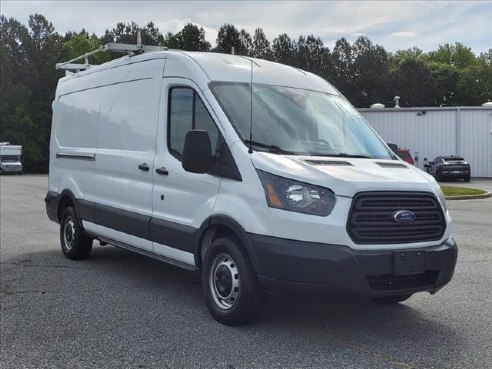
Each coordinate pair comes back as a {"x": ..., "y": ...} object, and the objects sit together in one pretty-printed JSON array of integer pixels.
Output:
[
  {"x": 67, "y": 198},
  {"x": 215, "y": 226}
]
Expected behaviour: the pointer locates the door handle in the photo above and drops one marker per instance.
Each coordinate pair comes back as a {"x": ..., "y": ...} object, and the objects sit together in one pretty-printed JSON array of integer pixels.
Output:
[
  {"x": 143, "y": 167},
  {"x": 162, "y": 171}
]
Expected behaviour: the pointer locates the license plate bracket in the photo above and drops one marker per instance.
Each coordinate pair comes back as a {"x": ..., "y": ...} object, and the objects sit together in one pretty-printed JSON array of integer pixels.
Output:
[{"x": 409, "y": 262}]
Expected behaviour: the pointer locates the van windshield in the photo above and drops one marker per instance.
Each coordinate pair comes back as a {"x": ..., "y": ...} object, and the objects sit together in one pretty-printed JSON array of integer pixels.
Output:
[
  {"x": 9, "y": 158},
  {"x": 296, "y": 121}
]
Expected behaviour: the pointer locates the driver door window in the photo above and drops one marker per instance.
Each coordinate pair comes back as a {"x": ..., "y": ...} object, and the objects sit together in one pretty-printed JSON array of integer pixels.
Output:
[{"x": 187, "y": 112}]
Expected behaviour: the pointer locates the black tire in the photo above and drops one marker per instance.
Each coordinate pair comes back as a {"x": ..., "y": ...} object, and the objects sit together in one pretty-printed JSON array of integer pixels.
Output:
[
  {"x": 232, "y": 292},
  {"x": 467, "y": 179},
  {"x": 391, "y": 299},
  {"x": 74, "y": 243},
  {"x": 438, "y": 176}
]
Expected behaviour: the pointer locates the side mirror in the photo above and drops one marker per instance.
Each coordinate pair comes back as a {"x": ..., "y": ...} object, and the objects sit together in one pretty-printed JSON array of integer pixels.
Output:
[
  {"x": 197, "y": 152},
  {"x": 393, "y": 147}
]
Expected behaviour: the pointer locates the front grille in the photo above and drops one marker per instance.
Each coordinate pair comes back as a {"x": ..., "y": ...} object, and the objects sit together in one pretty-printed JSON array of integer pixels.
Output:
[
  {"x": 391, "y": 282},
  {"x": 371, "y": 218}
]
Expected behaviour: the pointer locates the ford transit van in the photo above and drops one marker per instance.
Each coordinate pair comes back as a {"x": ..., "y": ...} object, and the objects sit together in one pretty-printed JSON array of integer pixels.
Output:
[{"x": 260, "y": 176}]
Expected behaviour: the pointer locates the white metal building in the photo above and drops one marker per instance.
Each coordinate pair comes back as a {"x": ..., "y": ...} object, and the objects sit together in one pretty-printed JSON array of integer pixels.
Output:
[{"x": 429, "y": 132}]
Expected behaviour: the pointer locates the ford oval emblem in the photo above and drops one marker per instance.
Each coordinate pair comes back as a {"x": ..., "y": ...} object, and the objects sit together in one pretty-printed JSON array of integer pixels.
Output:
[{"x": 404, "y": 216}]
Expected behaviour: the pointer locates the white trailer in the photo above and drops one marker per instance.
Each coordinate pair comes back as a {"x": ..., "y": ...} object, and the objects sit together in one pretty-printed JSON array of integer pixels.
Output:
[{"x": 10, "y": 158}]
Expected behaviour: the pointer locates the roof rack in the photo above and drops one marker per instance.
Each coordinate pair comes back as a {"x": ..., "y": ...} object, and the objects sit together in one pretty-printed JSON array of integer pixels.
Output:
[{"x": 131, "y": 49}]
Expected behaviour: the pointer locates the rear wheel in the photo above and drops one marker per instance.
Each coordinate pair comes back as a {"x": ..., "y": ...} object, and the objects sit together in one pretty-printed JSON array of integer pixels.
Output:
[
  {"x": 391, "y": 299},
  {"x": 467, "y": 179},
  {"x": 74, "y": 243},
  {"x": 232, "y": 293}
]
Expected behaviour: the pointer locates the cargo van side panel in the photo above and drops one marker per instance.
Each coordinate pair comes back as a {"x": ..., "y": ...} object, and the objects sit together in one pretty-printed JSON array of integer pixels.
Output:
[
  {"x": 126, "y": 147},
  {"x": 103, "y": 147}
]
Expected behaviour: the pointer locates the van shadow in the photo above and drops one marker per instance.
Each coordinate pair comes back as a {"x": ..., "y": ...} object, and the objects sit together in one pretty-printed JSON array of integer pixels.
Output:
[
  {"x": 386, "y": 326},
  {"x": 366, "y": 327},
  {"x": 116, "y": 269}
]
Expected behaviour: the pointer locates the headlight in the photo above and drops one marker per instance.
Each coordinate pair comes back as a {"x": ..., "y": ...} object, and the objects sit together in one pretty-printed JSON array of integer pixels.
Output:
[{"x": 287, "y": 194}]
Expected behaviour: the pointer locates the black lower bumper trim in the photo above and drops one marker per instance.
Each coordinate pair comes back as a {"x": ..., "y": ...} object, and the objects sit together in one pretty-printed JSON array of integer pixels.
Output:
[
  {"x": 51, "y": 201},
  {"x": 340, "y": 274}
]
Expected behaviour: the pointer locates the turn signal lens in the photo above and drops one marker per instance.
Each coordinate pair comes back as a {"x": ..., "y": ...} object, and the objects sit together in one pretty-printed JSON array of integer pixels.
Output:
[{"x": 272, "y": 197}]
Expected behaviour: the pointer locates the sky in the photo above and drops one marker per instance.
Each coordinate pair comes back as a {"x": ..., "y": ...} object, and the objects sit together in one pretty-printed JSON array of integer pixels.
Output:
[{"x": 395, "y": 25}]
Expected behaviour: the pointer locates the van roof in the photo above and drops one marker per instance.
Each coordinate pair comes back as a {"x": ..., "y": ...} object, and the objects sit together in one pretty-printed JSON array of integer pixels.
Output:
[
  {"x": 237, "y": 68},
  {"x": 226, "y": 67}
]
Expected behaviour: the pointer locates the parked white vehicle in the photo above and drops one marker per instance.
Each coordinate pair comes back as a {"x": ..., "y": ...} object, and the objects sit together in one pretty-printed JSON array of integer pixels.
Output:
[
  {"x": 158, "y": 153},
  {"x": 10, "y": 158}
]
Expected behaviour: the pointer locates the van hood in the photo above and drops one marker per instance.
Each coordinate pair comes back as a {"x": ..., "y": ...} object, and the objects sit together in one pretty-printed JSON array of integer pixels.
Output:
[{"x": 347, "y": 176}]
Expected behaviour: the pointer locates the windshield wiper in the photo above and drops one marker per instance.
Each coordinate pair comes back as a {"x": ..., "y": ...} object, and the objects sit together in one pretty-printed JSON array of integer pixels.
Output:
[{"x": 272, "y": 148}]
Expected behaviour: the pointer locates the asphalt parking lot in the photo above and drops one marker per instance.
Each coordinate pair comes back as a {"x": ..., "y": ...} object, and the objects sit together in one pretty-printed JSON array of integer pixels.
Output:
[{"x": 120, "y": 310}]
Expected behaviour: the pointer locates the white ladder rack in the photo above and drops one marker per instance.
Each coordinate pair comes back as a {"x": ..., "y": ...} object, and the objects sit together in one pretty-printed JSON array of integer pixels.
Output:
[{"x": 131, "y": 49}]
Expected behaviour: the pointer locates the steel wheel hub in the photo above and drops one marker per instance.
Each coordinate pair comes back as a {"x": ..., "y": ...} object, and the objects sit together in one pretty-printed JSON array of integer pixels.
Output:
[
  {"x": 224, "y": 281},
  {"x": 69, "y": 233}
]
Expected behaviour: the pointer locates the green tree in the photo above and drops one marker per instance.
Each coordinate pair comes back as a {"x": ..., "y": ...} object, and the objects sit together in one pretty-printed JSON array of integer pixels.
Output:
[
  {"x": 474, "y": 86},
  {"x": 400, "y": 56},
  {"x": 229, "y": 37},
  {"x": 261, "y": 46},
  {"x": 368, "y": 71},
  {"x": 127, "y": 33},
  {"x": 342, "y": 60},
  {"x": 76, "y": 44},
  {"x": 446, "y": 77},
  {"x": 171, "y": 41},
  {"x": 16, "y": 125},
  {"x": 190, "y": 38},
  {"x": 28, "y": 57},
  {"x": 311, "y": 55},
  {"x": 457, "y": 55},
  {"x": 415, "y": 85},
  {"x": 246, "y": 43},
  {"x": 45, "y": 50},
  {"x": 283, "y": 49}
]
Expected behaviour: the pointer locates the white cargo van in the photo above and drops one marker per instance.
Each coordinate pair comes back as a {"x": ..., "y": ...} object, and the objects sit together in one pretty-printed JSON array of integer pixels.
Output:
[
  {"x": 10, "y": 158},
  {"x": 260, "y": 176}
]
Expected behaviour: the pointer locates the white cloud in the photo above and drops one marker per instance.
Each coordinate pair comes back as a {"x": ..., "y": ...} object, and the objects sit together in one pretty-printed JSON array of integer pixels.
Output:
[
  {"x": 393, "y": 24},
  {"x": 176, "y": 25},
  {"x": 404, "y": 34}
]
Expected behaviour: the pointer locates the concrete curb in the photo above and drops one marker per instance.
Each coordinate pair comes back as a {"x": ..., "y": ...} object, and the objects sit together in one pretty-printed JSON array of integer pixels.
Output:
[{"x": 469, "y": 197}]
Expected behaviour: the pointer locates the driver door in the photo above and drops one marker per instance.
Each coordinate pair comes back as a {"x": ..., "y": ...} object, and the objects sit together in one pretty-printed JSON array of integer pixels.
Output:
[{"x": 182, "y": 201}]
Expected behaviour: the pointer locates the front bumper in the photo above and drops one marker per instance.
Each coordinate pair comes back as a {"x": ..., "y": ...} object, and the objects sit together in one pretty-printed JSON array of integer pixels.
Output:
[
  {"x": 456, "y": 172},
  {"x": 51, "y": 200},
  {"x": 11, "y": 169},
  {"x": 456, "y": 175},
  {"x": 340, "y": 274}
]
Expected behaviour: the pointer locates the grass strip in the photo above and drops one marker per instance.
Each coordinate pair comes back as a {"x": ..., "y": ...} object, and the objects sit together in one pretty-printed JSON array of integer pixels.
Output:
[{"x": 460, "y": 191}]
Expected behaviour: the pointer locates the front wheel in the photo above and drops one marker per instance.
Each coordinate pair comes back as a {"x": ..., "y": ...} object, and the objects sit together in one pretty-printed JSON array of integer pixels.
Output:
[
  {"x": 74, "y": 243},
  {"x": 232, "y": 293},
  {"x": 391, "y": 299}
]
